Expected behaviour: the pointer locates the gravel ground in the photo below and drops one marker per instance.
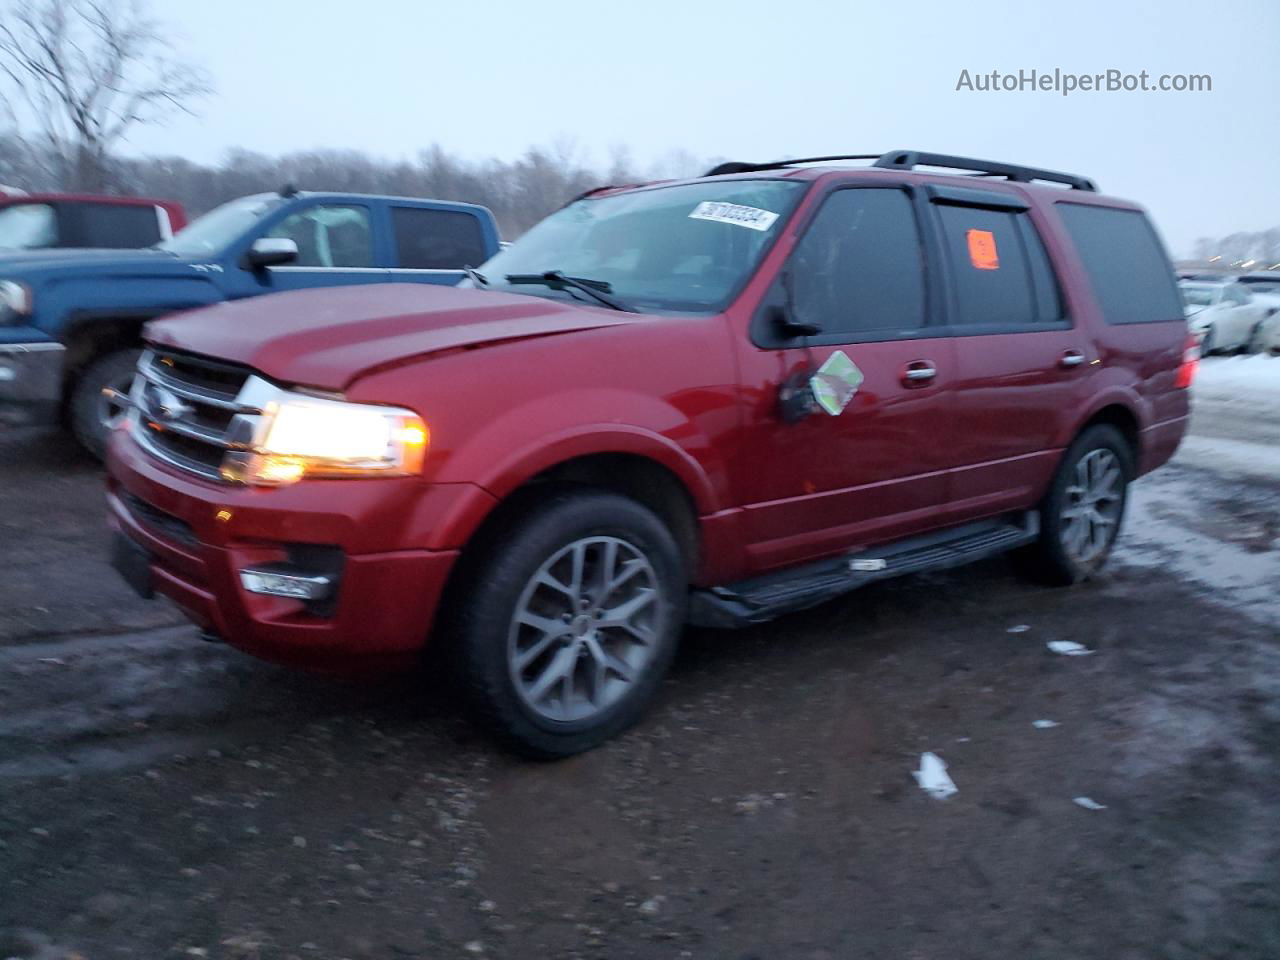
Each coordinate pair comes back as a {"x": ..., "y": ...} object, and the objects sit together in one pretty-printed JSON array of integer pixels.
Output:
[{"x": 161, "y": 797}]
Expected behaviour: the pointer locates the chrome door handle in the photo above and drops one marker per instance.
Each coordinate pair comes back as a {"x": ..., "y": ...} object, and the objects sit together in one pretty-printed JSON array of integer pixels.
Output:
[
  {"x": 921, "y": 373},
  {"x": 1072, "y": 358}
]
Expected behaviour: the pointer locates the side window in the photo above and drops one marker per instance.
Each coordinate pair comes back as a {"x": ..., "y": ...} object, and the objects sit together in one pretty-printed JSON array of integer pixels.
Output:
[
  {"x": 1002, "y": 275},
  {"x": 437, "y": 239},
  {"x": 1128, "y": 269},
  {"x": 329, "y": 236},
  {"x": 116, "y": 225},
  {"x": 28, "y": 226},
  {"x": 858, "y": 271},
  {"x": 1238, "y": 294}
]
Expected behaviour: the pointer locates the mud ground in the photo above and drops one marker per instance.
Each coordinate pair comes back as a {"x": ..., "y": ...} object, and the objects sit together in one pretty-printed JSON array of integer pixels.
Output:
[{"x": 164, "y": 798}]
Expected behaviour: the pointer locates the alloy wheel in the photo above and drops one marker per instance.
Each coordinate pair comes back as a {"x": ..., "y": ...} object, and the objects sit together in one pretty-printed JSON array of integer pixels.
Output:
[
  {"x": 1091, "y": 511},
  {"x": 584, "y": 630}
]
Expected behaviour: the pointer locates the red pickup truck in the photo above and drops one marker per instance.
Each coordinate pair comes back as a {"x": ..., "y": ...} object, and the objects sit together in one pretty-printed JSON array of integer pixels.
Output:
[
  {"x": 710, "y": 401},
  {"x": 44, "y": 221}
]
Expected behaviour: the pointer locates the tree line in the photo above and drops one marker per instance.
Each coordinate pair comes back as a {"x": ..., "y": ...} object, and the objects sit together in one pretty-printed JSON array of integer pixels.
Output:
[{"x": 520, "y": 192}]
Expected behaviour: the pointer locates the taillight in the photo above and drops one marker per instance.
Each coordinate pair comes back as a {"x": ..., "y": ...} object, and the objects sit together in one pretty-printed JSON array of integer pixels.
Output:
[{"x": 1190, "y": 361}]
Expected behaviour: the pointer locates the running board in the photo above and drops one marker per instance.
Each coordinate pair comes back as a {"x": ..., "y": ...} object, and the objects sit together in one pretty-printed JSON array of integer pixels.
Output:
[{"x": 763, "y": 598}]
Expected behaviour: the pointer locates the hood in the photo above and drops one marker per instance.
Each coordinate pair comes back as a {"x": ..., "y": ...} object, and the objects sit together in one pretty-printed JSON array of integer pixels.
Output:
[
  {"x": 35, "y": 264},
  {"x": 327, "y": 338}
]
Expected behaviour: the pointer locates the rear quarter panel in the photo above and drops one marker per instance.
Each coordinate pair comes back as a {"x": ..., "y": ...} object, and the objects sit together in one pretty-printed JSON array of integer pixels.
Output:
[{"x": 1135, "y": 365}]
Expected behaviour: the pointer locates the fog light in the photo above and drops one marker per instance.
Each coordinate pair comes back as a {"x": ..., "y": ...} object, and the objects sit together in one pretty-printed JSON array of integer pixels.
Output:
[{"x": 276, "y": 583}]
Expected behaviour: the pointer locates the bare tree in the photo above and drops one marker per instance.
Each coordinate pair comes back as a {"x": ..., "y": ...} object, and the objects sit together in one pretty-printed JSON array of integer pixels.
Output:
[{"x": 81, "y": 74}]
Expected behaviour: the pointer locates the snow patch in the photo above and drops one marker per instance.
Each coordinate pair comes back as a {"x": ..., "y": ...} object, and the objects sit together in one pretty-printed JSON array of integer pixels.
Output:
[{"x": 933, "y": 778}]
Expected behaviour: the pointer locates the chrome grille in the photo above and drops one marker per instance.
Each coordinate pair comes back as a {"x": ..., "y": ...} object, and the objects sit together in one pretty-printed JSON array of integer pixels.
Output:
[{"x": 190, "y": 411}]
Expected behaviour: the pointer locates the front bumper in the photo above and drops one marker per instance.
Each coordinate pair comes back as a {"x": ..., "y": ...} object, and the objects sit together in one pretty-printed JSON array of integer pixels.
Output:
[
  {"x": 389, "y": 537},
  {"x": 30, "y": 382}
]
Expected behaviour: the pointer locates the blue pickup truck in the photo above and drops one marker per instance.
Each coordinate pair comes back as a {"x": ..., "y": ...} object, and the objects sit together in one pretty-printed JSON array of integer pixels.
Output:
[{"x": 70, "y": 319}]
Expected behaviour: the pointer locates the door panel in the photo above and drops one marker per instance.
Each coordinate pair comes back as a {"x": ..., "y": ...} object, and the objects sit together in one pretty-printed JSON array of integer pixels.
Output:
[
  {"x": 1021, "y": 366},
  {"x": 875, "y": 470},
  {"x": 874, "y": 473},
  {"x": 1012, "y": 395}
]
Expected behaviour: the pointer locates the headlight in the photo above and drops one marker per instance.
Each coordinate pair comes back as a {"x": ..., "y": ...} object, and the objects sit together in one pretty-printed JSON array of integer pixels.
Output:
[
  {"x": 15, "y": 298},
  {"x": 300, "y": 436}
]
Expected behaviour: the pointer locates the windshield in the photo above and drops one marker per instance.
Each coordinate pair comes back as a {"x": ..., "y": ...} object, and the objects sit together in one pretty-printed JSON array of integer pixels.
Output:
[
  {"x": 28, "y": 226},
  {"x": 685, "y": 248},
  {"x": 1198, "y": 294},
  {"x": 209, "y": 235}
]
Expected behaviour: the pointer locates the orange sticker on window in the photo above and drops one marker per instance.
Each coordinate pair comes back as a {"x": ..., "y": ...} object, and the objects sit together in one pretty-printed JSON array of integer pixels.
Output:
[{"x": 982, "y": 249}]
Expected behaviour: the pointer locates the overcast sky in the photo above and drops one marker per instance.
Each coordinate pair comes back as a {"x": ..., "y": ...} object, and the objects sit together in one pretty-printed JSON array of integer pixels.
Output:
[{"x": 754, "y": 80}]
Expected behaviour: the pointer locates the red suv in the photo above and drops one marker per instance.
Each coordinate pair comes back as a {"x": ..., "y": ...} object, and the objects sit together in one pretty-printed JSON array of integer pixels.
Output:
[{"x": 710, "y": 401}]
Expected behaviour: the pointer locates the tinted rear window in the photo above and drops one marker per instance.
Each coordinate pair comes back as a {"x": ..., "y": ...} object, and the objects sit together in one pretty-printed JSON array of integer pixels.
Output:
[
  {"x": 1131, "y": 276},
  {"x": 115, "y": 225},
  {"x": 437, "y": 239}
]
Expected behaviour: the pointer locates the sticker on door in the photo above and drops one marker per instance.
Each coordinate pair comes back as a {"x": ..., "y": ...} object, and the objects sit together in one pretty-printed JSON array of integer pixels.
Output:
[{"x": 835, "y": 383}]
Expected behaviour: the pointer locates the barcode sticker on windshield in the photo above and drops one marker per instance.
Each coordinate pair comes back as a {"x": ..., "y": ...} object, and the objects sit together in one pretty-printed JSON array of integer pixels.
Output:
[{"x": 753, "y": 218}]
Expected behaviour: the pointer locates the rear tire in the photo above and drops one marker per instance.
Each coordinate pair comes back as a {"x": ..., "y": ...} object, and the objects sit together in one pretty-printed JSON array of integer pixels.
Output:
[
  {"x": 567, "y": 621},
  {"x": 1081, "y": 515},
  {"x": 92, "y": 414}
]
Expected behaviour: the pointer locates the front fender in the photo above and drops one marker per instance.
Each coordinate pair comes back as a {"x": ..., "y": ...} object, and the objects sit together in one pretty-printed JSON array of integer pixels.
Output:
[
  {"x": 69, "y": 304},
  {"x": 508, "y": 450}
]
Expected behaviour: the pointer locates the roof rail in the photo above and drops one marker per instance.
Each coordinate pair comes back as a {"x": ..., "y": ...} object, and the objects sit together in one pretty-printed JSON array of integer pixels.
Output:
[
  {"x": 738, "y": 166},
  {"x": 909, "y": 159}
]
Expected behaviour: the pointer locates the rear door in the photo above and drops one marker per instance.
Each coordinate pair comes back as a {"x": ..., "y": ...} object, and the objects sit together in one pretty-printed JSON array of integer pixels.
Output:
[
  {"x": 1022, "y": 365},
  {"x": 874, "y": 468}
]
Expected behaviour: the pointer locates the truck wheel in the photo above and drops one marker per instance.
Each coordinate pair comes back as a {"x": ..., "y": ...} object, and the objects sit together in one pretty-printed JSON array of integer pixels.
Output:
[
  {"x": 1081, "y": 515},
  {"x": 567, "y": 623},
  {"x": 93, "y": 414}
]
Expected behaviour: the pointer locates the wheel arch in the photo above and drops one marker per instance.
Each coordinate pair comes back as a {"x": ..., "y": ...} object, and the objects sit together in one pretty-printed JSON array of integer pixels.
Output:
[
  {"x": 89, "y": 334},
  {"x": 638, "y": 476},
  {"x": 1123, "y": 418}
]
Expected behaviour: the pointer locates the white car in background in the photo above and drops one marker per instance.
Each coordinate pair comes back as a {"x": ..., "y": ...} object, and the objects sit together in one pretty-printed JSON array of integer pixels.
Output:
[
  {"x": 1265, "y": 289},
  {"x": 1221, "y": 314}
]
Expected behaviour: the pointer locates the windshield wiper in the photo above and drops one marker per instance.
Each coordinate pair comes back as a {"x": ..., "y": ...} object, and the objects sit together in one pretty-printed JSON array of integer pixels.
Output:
[
  {"x": 598, "y": 290},
  {"x": 475, "y": 276}
]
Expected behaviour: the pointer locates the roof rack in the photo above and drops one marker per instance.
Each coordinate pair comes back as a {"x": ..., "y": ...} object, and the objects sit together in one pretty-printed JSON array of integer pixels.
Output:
[{"x": 909, "y": 159}]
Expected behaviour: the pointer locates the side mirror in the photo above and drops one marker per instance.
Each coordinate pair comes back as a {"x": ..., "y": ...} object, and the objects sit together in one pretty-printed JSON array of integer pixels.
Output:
[
  {"x": 783, "y": 315},
  {"x": 269, "y": 252},
  {"x": 789, "y": 326}
]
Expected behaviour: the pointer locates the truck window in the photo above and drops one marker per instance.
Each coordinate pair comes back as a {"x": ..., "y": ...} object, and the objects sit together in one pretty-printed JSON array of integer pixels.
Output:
[
  {"x": 113, "y": 225},
  {"x": 1125, "y": 261},
  {"x": 28, "y": 226},
  {"x": 437, "y": 239},
  {"x": 857, "y": 271},
  {"x": 329, "y": 236},
  {"x": 999, "y": 269}
]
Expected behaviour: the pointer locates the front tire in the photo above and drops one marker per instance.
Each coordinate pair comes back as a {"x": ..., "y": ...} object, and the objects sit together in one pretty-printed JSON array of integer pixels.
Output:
[
  {"x": 93, "y": 413},
  {"x": 568, "y": 621},
  {"x": 1081, "y": 515}
]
